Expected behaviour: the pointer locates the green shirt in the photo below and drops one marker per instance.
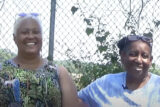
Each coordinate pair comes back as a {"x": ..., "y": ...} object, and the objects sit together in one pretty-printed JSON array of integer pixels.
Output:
[{"x": 39, "y": 88}]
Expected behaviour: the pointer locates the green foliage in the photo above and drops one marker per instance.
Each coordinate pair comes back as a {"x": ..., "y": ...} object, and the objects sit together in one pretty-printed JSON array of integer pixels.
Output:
[
  {"x": 5, "y": 54},
  {"x": 155, "y": 69},
  {"x": 88, "y": 21},
  {"x": 84, "y": 73},
  {"x": 106, "y": 48},
  {"x": 157, "y": 23},
  {"x": 89, "y": 31},
  {"x": 74, "y": 9},
  {"x": 102, "y": 48},
  {"x": 93, "y": 71},
  {"x": 102, "y": 39}
]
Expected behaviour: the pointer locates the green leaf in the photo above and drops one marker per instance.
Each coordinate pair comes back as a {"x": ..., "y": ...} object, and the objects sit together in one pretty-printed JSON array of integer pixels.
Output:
[
  {"x": 88, "y": 21},
  {"x": 89, "y": 31},
  {"x": 102, "y": 48},
  {"x": 114, "y": 59},
  {"x": 106, "y": 34},
  {"x": 99, "y": 39},
  {"x": 157, "y": 23},
  {"x": 102, "y": 38},
  {"x": 149, "y": 34},
  {"x": 74, "y": 9},
  {"x": 98, "y": 32}
]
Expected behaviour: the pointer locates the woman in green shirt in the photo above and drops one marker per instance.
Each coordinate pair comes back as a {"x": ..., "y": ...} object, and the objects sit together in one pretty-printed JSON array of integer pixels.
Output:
[{"x": 28, "y": 79}]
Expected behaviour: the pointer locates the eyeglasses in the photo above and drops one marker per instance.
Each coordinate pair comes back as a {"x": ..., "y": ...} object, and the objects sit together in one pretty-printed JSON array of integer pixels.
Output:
[
  {"x": 143, "y": 38},
  {"x": 28, "y": 14}
]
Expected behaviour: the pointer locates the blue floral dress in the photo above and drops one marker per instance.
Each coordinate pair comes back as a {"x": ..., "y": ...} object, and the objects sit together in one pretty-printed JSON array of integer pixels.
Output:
[{"x": 39, "y": 88}]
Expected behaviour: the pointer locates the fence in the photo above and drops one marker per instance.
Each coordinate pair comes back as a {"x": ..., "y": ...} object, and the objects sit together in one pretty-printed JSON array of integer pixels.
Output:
[
  {"x": 9, "y": 12},
  {"x": 79, "y": 22}
]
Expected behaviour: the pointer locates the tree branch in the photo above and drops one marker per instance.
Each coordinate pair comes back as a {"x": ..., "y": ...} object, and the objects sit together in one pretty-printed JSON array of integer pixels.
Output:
[{"x": 2, "y": 4}]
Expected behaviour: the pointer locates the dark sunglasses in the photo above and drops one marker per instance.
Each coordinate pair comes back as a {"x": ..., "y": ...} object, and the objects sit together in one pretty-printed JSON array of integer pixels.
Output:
[
  {"x": 28, "y": 14},
  {"x": 143, "y": 38}
]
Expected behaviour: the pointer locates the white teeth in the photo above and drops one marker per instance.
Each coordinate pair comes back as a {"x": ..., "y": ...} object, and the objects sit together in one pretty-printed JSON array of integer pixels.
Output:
[
  {"x": 138, "y": 69},
  {"x": 30, "y": 44}
]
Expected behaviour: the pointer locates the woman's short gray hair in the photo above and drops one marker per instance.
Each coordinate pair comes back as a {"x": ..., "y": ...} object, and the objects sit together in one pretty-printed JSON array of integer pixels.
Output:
[{"x": 20, "y": 19}]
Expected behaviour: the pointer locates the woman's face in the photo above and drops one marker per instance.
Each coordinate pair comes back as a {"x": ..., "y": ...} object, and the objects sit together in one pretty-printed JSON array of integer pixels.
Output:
[
  {"x": 29, "y": 37},
  {"x": 137, "y": 58}
]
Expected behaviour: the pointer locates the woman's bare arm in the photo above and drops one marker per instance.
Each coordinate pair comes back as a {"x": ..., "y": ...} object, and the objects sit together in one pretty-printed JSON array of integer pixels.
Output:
[{"x": 69, "y": 91}]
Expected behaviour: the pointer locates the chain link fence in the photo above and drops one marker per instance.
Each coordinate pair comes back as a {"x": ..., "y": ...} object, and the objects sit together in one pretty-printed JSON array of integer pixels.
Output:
[{"x": 79, "y": 22}]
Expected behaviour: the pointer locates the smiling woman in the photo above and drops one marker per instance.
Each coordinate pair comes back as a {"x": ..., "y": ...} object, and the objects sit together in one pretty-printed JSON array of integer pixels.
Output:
[
  {"x": 135, "y": 87},
  {"x": 28, "y": 38},
  {"x": 136, "y": 57},
  {"x": 28, "y": 79}
]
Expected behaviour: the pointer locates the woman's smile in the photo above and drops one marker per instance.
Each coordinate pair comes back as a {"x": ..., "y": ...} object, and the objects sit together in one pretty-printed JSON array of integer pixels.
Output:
[{"x": 31, "y": 44}]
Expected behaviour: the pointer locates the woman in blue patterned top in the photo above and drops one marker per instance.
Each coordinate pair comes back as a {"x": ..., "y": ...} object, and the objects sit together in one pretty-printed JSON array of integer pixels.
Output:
[
  {"x": 29, "y": 80},
  {"x": 136, "y": 87}
]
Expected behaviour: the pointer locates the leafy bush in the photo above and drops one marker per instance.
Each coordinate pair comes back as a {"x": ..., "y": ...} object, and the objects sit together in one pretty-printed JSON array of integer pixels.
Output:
[
  {"x": 84, "y": 73},
  {"x": 155, "y": 69},
  {"x": 5, "y": 54}
]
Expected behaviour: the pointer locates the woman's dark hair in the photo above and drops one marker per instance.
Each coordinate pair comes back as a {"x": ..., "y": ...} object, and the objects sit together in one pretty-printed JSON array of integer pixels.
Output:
[
  {"x": 122, "y": 44},
  {"x": 127, "y": 40}
]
